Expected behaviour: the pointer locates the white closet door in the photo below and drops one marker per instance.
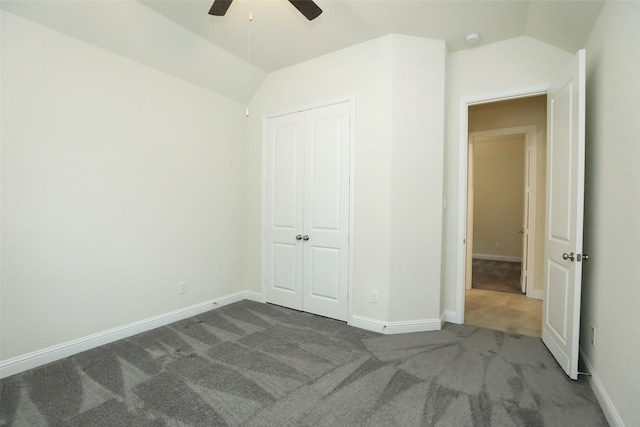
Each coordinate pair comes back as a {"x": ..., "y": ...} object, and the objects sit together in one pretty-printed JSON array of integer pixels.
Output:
[
  {"x": 284, "y": 204},
  {"x": 326, "y": 211},
  {"x": 307, "y": 210}
]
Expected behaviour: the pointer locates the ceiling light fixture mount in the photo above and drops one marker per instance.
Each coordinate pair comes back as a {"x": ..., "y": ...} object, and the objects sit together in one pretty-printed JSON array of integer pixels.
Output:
[{"x": 472, "y": 39}]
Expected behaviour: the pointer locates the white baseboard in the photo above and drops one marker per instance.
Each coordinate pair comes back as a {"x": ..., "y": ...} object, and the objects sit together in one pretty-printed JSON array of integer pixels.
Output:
[
  {"x": 452, "y": 317},
  {"x": 254, "y": 296},
  {"x": 51, "y": 354},
  {"x": 539, "y": 294},
  {"x": 367, "y": 323},
  {"x": 392, "y": 328},
  {"x": 497, "y": 257},
  {"x": 613, "y": 418},
  {"x": 410, "y": 326}
]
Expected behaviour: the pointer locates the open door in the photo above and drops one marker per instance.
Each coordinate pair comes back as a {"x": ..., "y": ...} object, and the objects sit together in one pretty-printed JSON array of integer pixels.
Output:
[{"x": 565, "y": 205}]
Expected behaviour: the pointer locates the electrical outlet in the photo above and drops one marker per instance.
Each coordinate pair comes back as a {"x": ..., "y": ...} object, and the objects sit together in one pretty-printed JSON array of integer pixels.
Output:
[
  {"x": 593, "y": 335},
  {"x": 374, "y": 296},
  {"x": 182, "y": 287},
  {"x": 497, "y": 245}
]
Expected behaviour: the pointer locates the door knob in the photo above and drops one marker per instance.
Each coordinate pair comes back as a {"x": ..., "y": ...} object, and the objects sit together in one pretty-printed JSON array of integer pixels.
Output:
[
  {"x": 299, "y": 237},
  {"x": 305, "y": 237},
  {"x": 570, "y": 256}
]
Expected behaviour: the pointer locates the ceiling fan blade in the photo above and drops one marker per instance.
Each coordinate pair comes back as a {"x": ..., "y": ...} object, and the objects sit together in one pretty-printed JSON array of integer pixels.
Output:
[
  {"x": 219, "y": 7},
  {"x": 307, "y": 7}
]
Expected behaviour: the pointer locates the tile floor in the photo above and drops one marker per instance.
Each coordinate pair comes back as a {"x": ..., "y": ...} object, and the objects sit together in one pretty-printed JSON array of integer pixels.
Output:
[{"x": 503, "y": 311}]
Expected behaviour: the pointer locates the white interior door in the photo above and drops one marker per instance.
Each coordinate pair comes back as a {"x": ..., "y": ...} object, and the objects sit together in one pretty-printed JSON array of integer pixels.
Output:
[
  {"x": 326, "y": 210},
  {"x": 565, "y": 204},
  {"x": 307, "y": 210},
  {"x": 284, "y": 210}
]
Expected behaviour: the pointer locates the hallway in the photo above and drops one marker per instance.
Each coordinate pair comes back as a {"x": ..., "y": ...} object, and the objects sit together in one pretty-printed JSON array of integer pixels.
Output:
[{"x": 503, "y": 311}]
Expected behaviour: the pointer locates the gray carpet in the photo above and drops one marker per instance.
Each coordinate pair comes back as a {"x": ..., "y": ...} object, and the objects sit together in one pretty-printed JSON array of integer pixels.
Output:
[
  {"x": 500, "y": 276},
  {"x": 252, "y": 364}
]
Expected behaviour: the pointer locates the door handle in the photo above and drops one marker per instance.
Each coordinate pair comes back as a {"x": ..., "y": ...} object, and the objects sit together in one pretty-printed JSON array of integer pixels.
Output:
[
  {"x": 299, "y": 237},
  {"x": 305, "y": 237},
  {"x": 583, "y": 257},
  {"x": 570, "y": 256}
]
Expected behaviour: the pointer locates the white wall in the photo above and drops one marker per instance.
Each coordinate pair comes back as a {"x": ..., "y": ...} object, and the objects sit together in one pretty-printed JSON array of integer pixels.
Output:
[
  {"x": 118, "y": 181},
  {"x": 416, "y": 178},
  {"x": 611, "y": 294},
  {"x": 395, "y": 80},
  {"x": 134, "y": 30},
  {"x": 485, "y": 71}
]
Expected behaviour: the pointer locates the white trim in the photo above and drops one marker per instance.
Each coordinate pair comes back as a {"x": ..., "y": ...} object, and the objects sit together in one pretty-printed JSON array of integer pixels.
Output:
[
  {"x": 450, "y": 316},
  {"x": 461, "y": 238},
  {"x": 531, "y": 170},
  {"x": 37, "y": 358},
  {"x": 263, "y": 209},
  {"x": 393, "y": 328},
  {"x": 471, "y": 196},
  {"x": 496, "y": 257},
  {"x": 535, "y": 294},
  {"x": 604, "y": 400},
  {"x": 253, "y": 296},
  {"x": 352, "y": 205},
  {"x": 463, "y": 143},
  {"x": 410, "y": 326},
  {"x": 319, "y": 104},
  {"x": 367, "y": 323}
]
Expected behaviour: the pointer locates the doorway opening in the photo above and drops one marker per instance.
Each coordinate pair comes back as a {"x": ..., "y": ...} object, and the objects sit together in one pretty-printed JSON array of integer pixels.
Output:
[{"x": 505, "y": 214}]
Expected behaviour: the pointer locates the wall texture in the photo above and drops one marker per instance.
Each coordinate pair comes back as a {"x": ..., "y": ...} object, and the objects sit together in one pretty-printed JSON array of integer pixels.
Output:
[
  {"x": 118, "y": 182},
  {"x": 612, "y": 209}
]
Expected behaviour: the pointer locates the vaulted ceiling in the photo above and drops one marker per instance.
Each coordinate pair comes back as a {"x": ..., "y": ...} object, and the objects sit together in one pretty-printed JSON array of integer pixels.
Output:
[
  {"x": 231, "y": 55},
  {"x": 279, "y": 36}
]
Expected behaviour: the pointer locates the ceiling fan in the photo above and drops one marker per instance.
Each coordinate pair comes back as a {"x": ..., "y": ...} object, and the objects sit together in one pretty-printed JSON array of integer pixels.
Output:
[{"x": 307, "y": 7}]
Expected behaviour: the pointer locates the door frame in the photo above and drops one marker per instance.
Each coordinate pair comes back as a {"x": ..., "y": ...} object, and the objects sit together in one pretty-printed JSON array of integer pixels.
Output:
[
  {"x": 530, "y": 169},
  {"x": 263, "y": 203},
  {"x": 463, "y": 153}
]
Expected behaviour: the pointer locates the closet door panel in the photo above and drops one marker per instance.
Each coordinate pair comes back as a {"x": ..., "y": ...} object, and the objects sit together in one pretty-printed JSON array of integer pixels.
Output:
[
  {"x": 326, "y": 210},
  {"x": 284, "y": 211}
]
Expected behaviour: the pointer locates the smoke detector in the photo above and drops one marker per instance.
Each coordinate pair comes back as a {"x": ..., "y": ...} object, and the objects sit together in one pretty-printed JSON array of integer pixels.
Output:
[{"x": 472, "y": 39}]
